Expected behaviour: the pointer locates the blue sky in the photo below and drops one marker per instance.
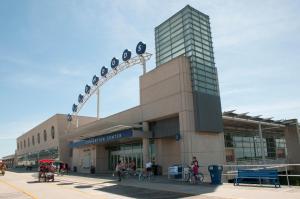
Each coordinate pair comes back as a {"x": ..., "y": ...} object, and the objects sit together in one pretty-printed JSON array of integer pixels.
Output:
[{"x": 49, "y": 50}]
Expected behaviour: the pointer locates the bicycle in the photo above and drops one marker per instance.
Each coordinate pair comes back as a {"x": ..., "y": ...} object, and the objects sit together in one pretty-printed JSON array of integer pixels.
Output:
[
  {"x": 191, "y": 178},
  {"x": 145, "y": 175}
]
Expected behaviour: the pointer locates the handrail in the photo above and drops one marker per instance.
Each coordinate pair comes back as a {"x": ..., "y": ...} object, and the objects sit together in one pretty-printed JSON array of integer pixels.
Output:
[{"x": 263, "y": 166}]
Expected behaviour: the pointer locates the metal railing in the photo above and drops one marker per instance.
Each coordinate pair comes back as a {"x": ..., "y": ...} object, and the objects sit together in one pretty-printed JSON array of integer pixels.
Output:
[{"x": 233, "y": 169}]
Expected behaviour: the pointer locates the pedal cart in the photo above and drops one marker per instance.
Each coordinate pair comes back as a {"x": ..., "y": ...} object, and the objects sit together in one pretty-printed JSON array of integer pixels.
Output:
[
  {"x": 46, "y": 170},
  {"x": 2, "y": 168}
]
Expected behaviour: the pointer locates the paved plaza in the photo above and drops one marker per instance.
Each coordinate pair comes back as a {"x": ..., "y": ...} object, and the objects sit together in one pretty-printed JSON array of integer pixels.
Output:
[{"x": 15, "y": 185}]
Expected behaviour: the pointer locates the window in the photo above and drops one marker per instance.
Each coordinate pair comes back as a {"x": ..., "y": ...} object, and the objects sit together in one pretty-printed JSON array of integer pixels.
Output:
[
  {"x": 45, "y": 136},
  {"x": 38, "y": 138},
  {"x": 33, "y": 141},
  {"x": 18, "y": 146},
  {"x": 52, "y": 132},
  {"x": 28, "y": 140},
  {"x": 21, "y": 145},
  {"x": 24, "y": 143},
  {"x": 229, "y": 155}
]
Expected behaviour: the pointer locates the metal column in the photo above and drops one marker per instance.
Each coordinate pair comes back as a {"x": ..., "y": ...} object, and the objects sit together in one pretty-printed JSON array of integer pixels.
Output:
[
  {"x": 98, "y": 101},
  {"x": 261, "y": 144},
  {"x": 143, "y": 61}
]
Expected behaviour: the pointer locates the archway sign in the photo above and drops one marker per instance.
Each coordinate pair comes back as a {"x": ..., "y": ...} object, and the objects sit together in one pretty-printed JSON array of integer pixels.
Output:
[{"x": 105, "y": 74}]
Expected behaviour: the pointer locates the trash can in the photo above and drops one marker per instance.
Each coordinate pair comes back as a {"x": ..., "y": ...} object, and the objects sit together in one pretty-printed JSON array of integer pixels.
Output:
[
  {"x": 215, "y": 174},
  {"x": 92, "y": 170},
  {"x": 75, "y": 169},
  {"x": 154, "y": 169}
]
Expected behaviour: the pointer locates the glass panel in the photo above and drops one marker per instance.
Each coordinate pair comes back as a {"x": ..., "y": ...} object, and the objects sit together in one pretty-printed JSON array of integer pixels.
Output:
[{"x": 125, "y": 153}]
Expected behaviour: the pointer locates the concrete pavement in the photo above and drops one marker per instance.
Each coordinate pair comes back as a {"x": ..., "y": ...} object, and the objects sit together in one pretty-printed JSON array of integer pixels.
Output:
[{"x": 24, "y": 185}]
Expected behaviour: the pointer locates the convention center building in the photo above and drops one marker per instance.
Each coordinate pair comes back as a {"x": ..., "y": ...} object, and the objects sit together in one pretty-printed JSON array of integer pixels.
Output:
[{"x": 179, "y": 116}]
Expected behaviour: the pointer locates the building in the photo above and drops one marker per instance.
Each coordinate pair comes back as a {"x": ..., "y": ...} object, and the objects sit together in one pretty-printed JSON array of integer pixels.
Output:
[
  {"x": 165, "y": 112},
  {"x": 45, "y": 141},
  {"x": 162, "y": 128},
  {"x": 179, "y": 116},
  {"x": 9, "y": 161}
]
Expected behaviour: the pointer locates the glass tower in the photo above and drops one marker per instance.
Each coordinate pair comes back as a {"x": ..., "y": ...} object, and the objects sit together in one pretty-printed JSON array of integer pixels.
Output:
[{"x": 188, "y": 33}]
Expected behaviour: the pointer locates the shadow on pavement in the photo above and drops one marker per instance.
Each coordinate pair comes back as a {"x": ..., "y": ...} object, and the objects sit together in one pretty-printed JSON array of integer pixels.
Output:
[
  {"x": 65, "y": 183},
  {"x": 141, "y": 193},
  {"x": 36, "y": 181},
  {"x": 22, "y": 170},
  {"x": 83, "y": 186},
  {"x": 270, "y": 186}
]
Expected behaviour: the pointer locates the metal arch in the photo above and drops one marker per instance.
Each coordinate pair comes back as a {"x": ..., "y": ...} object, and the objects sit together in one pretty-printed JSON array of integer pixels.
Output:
[{"x": 138, "y": 59}]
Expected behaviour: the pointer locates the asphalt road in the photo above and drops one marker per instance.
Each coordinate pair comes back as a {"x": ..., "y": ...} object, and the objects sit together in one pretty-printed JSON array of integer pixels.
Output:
[{"x": 25, "y": 185}]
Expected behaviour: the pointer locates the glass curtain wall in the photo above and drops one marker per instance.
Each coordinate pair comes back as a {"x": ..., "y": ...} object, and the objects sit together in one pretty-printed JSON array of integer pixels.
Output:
[
  {"x": 188, "y": 32},
  {"x": 246, "y": 146}
]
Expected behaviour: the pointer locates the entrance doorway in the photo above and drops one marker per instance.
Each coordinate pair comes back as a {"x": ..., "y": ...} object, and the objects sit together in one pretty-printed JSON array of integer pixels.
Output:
[{"x": 126, "y": 153}]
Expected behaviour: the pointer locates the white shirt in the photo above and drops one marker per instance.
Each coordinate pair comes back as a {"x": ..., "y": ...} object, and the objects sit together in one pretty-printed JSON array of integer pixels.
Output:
[{"x": 148, "y": 164}]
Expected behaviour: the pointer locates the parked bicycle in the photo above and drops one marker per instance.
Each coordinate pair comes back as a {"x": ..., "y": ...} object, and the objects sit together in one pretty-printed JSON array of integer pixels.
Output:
[
  {"x": 145, "y": 175},
  {"x": 190, "y": 177}
]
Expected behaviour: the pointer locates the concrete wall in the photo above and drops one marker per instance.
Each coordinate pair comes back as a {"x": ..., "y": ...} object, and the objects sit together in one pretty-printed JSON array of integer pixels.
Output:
[
  {"x": 43, "y": 145},
  {"x": 78, "y": 158},
  {"x": 61, "y": 127},
  {"x": 167, "y": 153},
  {"x": 292, "y": 144},
  {"x": 166, "y": 91},
  {"x": 101, "y": 159}
]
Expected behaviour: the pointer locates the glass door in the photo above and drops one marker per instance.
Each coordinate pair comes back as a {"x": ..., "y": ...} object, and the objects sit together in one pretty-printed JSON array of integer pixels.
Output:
[{"x": 126, "y": 153}]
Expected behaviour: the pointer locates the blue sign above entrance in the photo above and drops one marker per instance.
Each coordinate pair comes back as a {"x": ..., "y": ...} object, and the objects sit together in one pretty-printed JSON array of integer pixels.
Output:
[{"x": 103, "y": 138}]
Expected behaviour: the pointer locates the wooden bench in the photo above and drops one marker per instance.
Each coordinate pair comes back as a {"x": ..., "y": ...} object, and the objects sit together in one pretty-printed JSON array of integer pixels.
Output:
[{"x": 262, "y": 174}]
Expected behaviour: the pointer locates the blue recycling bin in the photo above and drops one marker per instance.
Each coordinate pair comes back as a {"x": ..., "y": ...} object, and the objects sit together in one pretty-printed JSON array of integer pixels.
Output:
[{"x": 215, "y": 174}]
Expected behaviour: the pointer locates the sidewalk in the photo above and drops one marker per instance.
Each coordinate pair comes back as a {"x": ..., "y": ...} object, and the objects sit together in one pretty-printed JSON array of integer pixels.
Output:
[
  {"x": 10, "y": 191},
  {"x": 159, "y": 187},
  {"x": 226, "y": 190}
]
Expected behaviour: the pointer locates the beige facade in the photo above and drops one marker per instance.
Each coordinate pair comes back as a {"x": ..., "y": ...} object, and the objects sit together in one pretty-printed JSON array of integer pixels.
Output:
[
  {"x": 165, "y": 92},
  {"x": 45, "y": 140}
]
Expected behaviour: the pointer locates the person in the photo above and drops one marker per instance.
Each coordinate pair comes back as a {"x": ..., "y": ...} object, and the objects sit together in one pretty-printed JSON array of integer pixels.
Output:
[
  {"x": 62, "y": 168},
  {"x": 149, "y": 168},
  {"x": 119, "y": 168},
  {"x": 2, "y": 167},
  {"x": 132, "y": 167},
  {"x": 60, "y": 165},
  {"x": 194, "y": 160},
  {"x": 125, "y": 166},
  {"x": 67, "y": 168},
  {"x": 195, "y": 168}
]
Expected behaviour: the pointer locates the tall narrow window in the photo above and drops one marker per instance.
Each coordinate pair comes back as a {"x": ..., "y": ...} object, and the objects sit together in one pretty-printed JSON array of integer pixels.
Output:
[
  {"x": 38, "y": 138},
  {"x": 52, "y": 132},
  {"x": 45, "y": 136},
  {"x": 28, "y": 142},
  {"x": 33, "y": 141}
]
